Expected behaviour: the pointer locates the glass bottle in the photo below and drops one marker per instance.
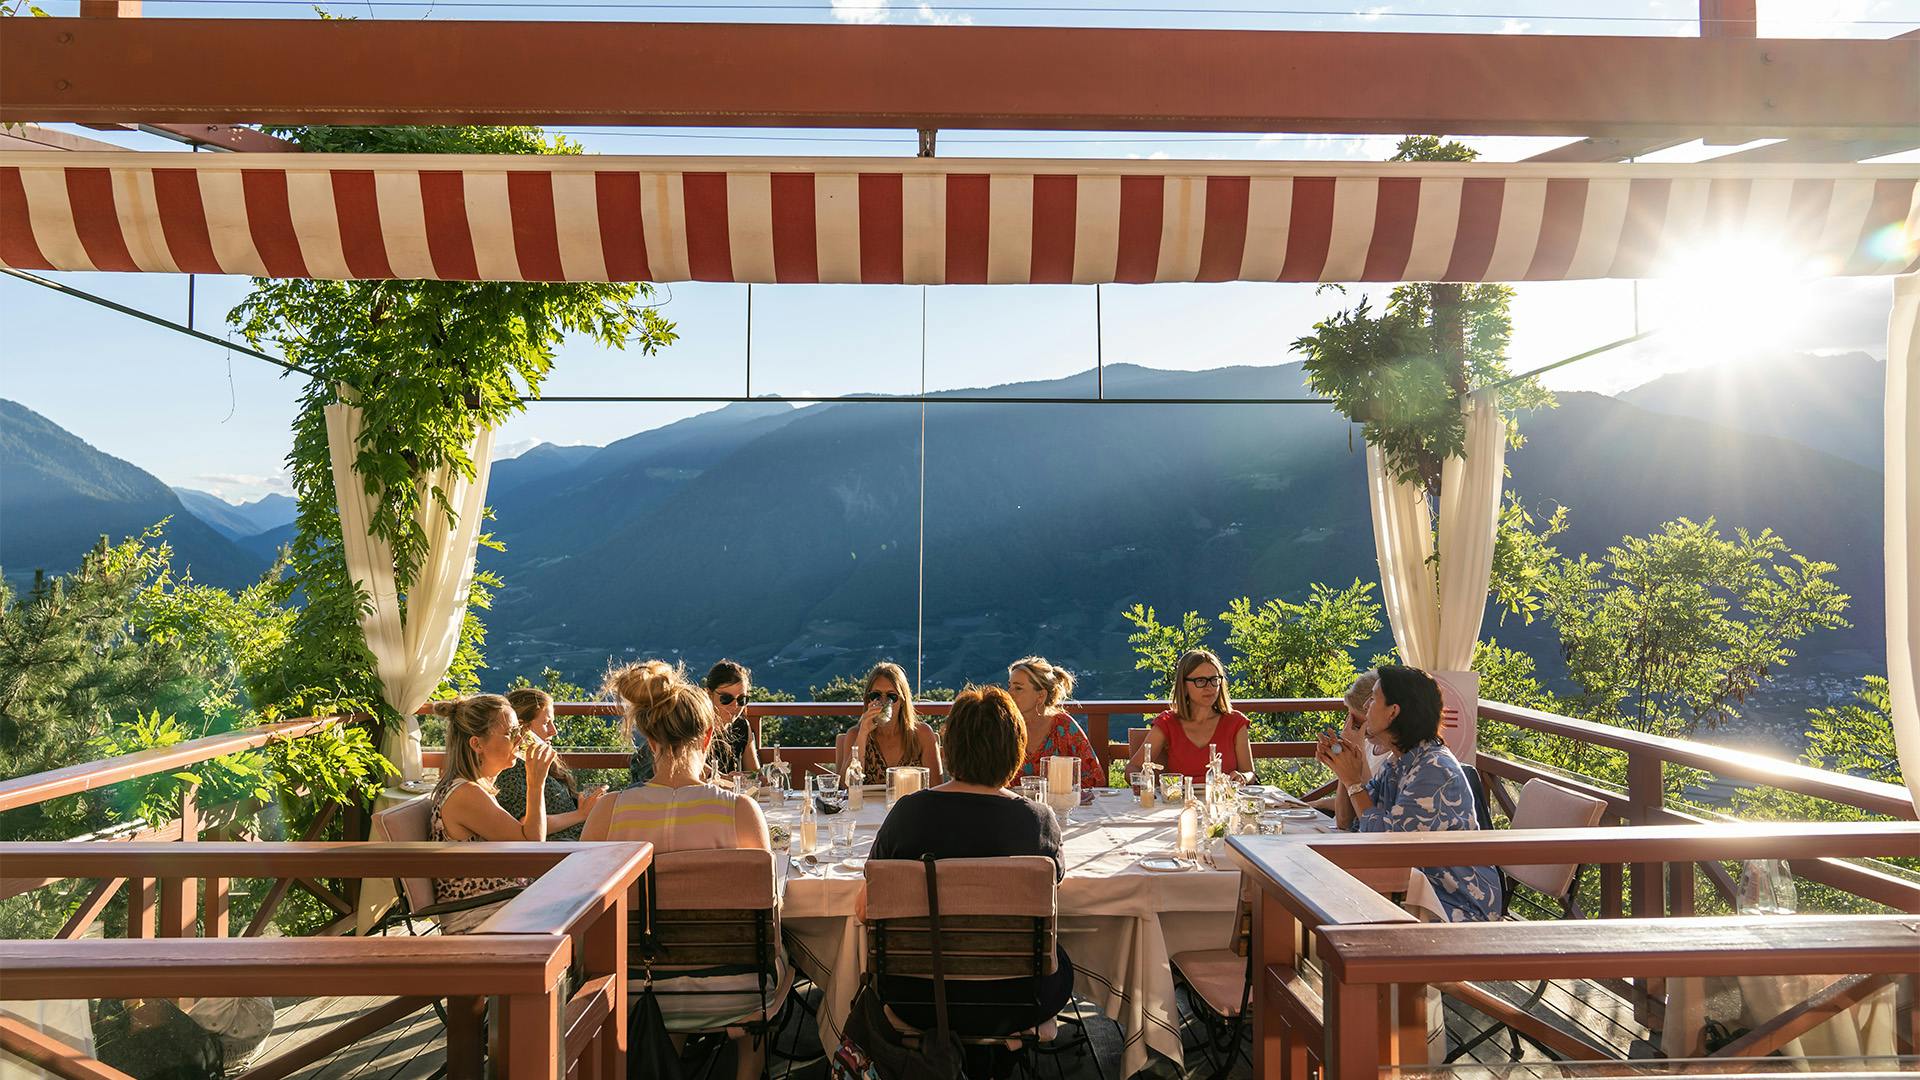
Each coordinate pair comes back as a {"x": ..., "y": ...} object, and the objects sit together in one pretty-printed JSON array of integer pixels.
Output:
[
  {"x": 809, "y": 824},
  {"x": 1190, "y": 824},
  {"x": 856, "y": 779}
]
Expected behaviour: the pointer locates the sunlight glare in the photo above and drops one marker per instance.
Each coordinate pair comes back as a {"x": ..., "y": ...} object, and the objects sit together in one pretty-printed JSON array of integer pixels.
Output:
[{"x": 1735, "y": 296}]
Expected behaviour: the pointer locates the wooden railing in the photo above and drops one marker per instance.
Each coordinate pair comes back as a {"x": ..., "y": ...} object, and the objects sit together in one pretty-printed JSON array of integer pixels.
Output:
[
  {"x": 575, "y": 914},
  {"x": 165, "y": 907},
  {"x": 1312, "y": 893}
]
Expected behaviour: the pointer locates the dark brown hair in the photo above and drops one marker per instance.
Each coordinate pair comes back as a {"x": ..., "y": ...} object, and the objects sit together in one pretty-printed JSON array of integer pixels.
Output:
[
  {"x": 726, "y": 673},
  {"x": 526, "y": 702},
  {"x": 1418, "y": 696},
  {"x": 985, "y": 738}
]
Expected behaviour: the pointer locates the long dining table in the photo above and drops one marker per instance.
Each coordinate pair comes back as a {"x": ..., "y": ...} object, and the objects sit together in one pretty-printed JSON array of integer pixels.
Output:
[{"x": 1119, "y": 921}]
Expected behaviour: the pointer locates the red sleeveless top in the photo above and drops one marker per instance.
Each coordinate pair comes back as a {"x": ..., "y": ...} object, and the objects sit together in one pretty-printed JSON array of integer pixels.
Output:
[{"x": 1183, "y": 757}]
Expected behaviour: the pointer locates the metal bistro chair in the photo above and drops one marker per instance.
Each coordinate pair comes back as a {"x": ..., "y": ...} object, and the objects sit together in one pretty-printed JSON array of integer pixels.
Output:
[
  {"x": 1541, "y": 805},
  {"x": 997, "y": 921},
  {"x": 409, "y": 822},
  {"x": 1219, "y": 986},
  {"x": 711, "y": 930}
]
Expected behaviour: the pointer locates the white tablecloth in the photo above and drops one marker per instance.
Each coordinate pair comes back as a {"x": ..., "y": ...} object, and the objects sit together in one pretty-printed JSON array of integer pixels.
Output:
[{"x": 1118, "y": 922}]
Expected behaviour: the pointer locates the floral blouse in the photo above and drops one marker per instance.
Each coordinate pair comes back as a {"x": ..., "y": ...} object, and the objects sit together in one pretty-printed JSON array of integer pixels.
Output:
[
  {"x": 510, "y": 791},
  {"x": 1423, "y": 790},
  {"x": 1065, "y": 739}
]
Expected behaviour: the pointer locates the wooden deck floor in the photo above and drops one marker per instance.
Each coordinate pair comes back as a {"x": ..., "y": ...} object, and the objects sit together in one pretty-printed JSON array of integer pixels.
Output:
[{"x": 414, "y": 1048}]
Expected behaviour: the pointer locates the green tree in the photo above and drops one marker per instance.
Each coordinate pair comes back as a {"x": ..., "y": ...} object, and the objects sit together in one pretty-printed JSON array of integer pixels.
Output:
[
  {"x": 426, "y": 361},
  {"x": 1402, "y": 373}
]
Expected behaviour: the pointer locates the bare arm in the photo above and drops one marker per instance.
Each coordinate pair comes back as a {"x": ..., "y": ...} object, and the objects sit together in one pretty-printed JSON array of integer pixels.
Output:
[
  {"x": 930, "y": 751},
  {"x": 1151, "y": 747},
  {"x": 749, "y": 826},
  {"x": 471, "y": 811},
  {"x": 1243, "y": 751}
]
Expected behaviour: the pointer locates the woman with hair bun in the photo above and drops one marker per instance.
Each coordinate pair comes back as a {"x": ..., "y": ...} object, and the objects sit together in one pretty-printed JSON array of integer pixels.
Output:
[
  {"x": 1038, "y": 688},
  {"x": 483, "y": 740},
  {"x": 679, "y": 810}
]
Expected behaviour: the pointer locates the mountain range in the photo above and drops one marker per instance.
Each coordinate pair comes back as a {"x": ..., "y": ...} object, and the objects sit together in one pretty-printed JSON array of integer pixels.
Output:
[
  {"x": 786, "y": 537},
  {"x": 239, "y": 521}
]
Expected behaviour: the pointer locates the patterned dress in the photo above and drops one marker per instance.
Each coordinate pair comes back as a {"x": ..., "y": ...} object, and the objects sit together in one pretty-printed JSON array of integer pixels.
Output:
[
  {"x": 1065, "y": 739},
  {"x": 510, "y": 791},
  {"x": 1423, "y": 790},
  {"x": 447, "y": 890}
]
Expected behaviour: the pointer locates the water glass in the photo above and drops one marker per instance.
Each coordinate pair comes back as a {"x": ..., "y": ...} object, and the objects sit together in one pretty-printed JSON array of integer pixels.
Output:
[
  {"x": 1173, "y": 787},
  {"x": 904, "y": 780},
  {"x": 1034, "y": 788},
  {"x": 1143, "y": 786},
  {"x": 840, "y": 831}
]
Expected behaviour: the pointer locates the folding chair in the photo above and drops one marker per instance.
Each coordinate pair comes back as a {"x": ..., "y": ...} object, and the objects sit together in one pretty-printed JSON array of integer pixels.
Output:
[
  {"x": 1219, "y": 985},
  {"x": 409, "y": 822},
  {"x": 1541, "y": 805},
  {"x": 715, "y": 933},
  {"x": 997, "y": 921}
]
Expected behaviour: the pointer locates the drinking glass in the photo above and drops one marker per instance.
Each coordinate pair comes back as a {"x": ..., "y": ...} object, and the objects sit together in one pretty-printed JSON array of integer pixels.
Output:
[
  {"x": 840, "y": 830},
  {"x": 1061, "y": 775},
  {"x": 1034, "y": 788},
  {"x": 905, "y": 780},
  {"x": 746, "y": 783},
  {"x": 1173, "y": 787},
  {"x": 1143, "y": 786}
]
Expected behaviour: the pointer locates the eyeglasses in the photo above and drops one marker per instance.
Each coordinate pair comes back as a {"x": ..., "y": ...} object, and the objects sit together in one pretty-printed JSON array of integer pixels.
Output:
[
  {"x": 876, "y": 695},
  {"x": 1205, "y": 680},
  {"x": 728, "y": 699}
]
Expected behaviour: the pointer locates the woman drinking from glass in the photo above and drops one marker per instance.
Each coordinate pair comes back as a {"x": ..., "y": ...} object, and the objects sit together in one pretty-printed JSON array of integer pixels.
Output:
[
  {"x": 1420, "y": 788},
  {"x": 889, "y": 733},
  {"x": 1038, "y": 688},
  {"x": 1202, "y": 716},
  {"x": 567, "y": 805},
  {"x": 483, "y": 740}
]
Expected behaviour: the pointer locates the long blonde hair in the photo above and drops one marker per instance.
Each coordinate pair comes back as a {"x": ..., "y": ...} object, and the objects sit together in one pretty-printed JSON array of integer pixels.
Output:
[
  {"x": 526, "y": 702},
  {"x": 672, "y": 714},
  {"x": 909, "y": 720},
  {"x": 1191, "y": 659},
  {"x": 1056, "y": 681},
  {"x": 467, "y": 718}
]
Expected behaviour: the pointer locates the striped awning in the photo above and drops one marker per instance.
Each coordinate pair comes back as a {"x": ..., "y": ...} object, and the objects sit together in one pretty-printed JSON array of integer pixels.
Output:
[{"x": 934, "y": 221}]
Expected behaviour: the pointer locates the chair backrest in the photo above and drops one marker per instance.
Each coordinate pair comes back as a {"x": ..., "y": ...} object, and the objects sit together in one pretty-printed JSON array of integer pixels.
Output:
[
  {"x": 1549, "y": 806},
  {"x": 714, "y": 909},
  {"x": 402, "y": 823},
  {"x": 1135, "y": 736},
  {"x": 1482, "y": 812},
  {"x": 840, "y": 754},
  {"x": 997, "y": 917}
]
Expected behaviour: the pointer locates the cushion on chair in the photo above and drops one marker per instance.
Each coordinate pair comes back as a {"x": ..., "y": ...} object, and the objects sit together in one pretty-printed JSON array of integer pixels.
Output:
[
  {"x": 1218, "y": 977},
  {"x": 1549, "y": 806},
  {"x": 407, "y": 822}
]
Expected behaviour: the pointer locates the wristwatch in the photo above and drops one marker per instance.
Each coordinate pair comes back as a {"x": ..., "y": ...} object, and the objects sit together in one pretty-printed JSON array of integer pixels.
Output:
[{"x": 1356, "y": 788}]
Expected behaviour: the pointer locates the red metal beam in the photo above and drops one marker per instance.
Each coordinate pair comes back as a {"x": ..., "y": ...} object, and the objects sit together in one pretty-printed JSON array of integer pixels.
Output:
[{"x": 391, "y": 72}]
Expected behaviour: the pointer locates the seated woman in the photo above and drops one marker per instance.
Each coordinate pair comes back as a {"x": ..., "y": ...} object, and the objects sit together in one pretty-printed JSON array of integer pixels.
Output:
[
  {"x": 567, "y": 808},
  {"x": 678, "y": 810},
  {"x": 1202, "y": 715},
  {"x": 1038, "y": 688},
  {"x": 972, "y": 816},
  {"x": 889, "y": 733},
  {"x": 1356, "y": 699},
  {"x": 1420, "y": 788},
  {"x": 735, "y": 749},
  {"x": 482, "y": 736}
]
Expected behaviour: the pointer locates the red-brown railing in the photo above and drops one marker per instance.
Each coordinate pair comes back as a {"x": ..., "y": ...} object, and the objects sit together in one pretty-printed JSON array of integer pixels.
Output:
[
  {"x": 1311, "y": 903},
  {"x": 575, "y": 913}
]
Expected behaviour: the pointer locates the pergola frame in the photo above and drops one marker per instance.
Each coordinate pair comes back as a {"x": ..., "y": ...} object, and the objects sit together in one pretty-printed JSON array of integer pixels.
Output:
[{"x": 1642, "y": 91}]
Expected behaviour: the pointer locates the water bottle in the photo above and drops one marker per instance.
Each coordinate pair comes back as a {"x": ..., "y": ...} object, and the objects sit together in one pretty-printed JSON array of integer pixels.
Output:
[
  {"x": 809, "y": 824},
  {"x": 856, "y": 778},
  {"x": 1766, "y": 888}
]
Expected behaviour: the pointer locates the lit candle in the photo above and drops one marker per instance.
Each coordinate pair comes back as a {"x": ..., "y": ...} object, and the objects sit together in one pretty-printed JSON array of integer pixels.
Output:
[
  {"x": 905, "y": 782},
  {"x": 1060, "y": 776}
]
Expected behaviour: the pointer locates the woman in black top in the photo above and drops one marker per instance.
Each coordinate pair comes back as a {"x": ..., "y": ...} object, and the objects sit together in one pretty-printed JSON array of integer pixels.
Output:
[
  {"x": 729, "y": 686},
  {"x": 973, "y": 816}
]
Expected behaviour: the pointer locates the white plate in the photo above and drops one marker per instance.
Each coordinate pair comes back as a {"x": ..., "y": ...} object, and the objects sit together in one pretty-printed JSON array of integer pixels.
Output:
[{"x": 1164, "y": 864}]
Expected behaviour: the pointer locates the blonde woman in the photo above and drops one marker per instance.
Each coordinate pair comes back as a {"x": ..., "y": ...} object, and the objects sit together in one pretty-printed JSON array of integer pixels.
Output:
[
  {"x": 889, "y": 733},
  {"x": 568, "y": 807},
  {"x": 1202, "y": 715},
  {"x": 483, "y": 740},
  {"x": 678, "y": 810},
  {"x": 1038, "y": 688}
]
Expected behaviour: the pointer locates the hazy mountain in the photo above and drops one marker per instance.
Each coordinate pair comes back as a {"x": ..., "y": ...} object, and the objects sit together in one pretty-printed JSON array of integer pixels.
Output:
[
  {"x": 1831, "y": 403},
  {"x": 221, "y": 515},
  {"x": 544, "y": 460},
  {"x": 792, "y": 546},
  {"x": 60, "y": 495},
  {"x": 269, "y": 512}
]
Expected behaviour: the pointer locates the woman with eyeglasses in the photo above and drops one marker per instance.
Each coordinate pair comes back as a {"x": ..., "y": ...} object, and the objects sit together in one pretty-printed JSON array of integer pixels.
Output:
[
  {"x": 889, "y": 733},
  {"x": 1202, "y": 715},
  {"x": 484, "y": 738},
  {"x": 735, "y": 749}
]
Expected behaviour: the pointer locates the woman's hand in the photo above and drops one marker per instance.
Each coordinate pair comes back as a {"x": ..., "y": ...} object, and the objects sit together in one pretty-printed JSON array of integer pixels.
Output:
[
  {"x": 539, "y": 756},
  {"x": 1350, "y": 764},
  {"x": 1323, "y": 749},
  {"x": 589, "y": 799}
]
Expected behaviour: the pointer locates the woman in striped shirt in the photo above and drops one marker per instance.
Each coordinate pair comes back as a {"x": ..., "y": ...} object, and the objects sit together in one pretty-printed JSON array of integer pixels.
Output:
[{"x": 678, "y": 811}]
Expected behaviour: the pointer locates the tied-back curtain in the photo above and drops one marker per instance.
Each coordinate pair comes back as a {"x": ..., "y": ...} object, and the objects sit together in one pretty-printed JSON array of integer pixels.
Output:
[
  {"x": 1436, "y": 618},
  {"x": 411, "y": 655},
  {"x": 1903, "y": 526}
]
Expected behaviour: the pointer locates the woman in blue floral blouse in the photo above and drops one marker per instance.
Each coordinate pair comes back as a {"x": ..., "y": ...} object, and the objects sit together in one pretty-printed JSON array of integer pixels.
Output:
[
  {"x": 1419, "y": 789},
  {"x": 1038, "y": 688}
]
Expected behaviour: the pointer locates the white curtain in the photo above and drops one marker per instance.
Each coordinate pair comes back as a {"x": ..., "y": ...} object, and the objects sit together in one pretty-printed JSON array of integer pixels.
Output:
[
  {"x": 411, "y": 655},
  {"x": 1437, "y": 622},
  {"x": 1903, "y": 524}
]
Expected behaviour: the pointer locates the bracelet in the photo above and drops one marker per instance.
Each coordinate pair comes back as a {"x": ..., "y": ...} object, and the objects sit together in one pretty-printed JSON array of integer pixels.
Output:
[{"x": 1356, "y": 788}]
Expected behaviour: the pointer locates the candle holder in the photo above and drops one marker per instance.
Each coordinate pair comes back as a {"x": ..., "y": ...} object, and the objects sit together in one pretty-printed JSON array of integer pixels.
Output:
[
  {"x": 903, "y": 780},
  {"x": 1063, "y": 784}
]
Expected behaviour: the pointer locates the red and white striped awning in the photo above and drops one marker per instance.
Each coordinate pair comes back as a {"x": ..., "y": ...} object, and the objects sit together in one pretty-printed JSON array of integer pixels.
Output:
[{"x": 933, "y": 221}]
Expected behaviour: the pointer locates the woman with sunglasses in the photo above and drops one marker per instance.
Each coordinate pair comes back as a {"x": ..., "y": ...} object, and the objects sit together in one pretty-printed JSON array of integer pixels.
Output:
[
  {"x": 889, "y": 733},
  {"x": 735, "y": 748},
  {"x": 1202, "y": 715}
]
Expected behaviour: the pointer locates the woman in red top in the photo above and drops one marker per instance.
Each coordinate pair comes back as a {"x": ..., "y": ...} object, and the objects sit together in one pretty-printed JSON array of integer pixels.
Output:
[{"x": 1202, "y": 716}]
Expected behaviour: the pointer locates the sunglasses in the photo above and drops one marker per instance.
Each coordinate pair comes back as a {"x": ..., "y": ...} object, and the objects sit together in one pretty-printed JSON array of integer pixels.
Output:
[
  {"x": 728, "y": 699},
  {"x": 1206, "y": 680},
  {"x": 876, "y": 695}
]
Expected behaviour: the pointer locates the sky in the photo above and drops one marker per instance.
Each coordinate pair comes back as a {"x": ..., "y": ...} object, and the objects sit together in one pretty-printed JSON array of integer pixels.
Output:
[{"x": 198, "y": 416}]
